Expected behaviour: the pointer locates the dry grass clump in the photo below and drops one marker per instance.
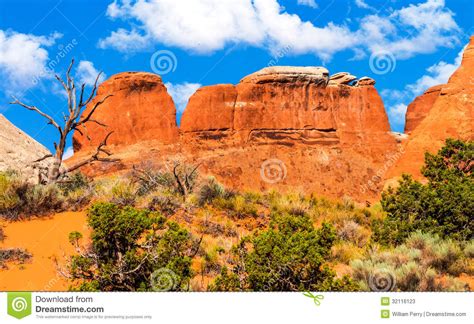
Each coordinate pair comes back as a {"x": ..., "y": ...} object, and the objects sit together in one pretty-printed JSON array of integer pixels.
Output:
[
  {"x": 423, "y": 263},
  {"x": 15, "y": 255}
]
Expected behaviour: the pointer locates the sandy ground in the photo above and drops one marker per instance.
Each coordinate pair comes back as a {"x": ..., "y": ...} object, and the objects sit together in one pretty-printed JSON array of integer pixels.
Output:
[{"x": 47, "y": 240}]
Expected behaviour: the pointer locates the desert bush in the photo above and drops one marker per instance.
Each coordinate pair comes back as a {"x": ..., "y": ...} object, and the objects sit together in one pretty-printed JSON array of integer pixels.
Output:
[
  {"x": 166, "y": 204},
  {"x": 123, "y": 194},
  {"x": 133, "y": 250},
  {"x": 469, "y": 249},
  {"x": 211, "y": 263},
  {"x": 292, "y": 203},
  {"x": 13, "y": 255},
  {"x": 2, "y": 234},
  {"x": 346, "y": 252},
  {"x": 77, "y": 189},
  {"x": 425, "y": 262},
  {"x": 20, "y": 199},
  {"x": 210, "y": 190},
  {"x": 289, "y": 256},
  {"x": 351, "y": 231},
  {"x": 180, "y": 178},
  {"x": 347, "y": 204},
  {"x": 74, "y": 238},
  {"x": 237, "y": 206},
  {"x": 444, "y": 205},
  {"x": 149, "y": 179},
  {"x": 73, "y": 182}
]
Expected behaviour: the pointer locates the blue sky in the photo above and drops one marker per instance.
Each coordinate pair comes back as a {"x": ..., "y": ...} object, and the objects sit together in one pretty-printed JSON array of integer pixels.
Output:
[{"x": 406, "y": 46}]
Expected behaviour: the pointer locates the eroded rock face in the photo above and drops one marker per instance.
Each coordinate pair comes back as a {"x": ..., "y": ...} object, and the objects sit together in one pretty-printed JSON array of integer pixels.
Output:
[
  {"x": 364, "y": 81},
  {"x": 18, "y": 151},
  {"x": 140, "y": 109},
  {"x": 420, "y": 107},
  {"x": 332, "y": 140},
  {"x": 289, "y": 74},
  {"x": 341, "y": 78},
  {"x": 451, "y": 116},
  {"x": 256, "y": 111}
]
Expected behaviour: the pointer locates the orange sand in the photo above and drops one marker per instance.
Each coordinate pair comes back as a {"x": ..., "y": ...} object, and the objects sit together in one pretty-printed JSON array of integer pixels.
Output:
[{"x": 47, "y": 240}]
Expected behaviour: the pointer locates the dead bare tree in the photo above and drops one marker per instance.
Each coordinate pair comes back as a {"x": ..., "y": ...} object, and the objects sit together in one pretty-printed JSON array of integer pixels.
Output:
[
  {"x": 72, "y": 122},
  {"x": 185, "y": 178}
]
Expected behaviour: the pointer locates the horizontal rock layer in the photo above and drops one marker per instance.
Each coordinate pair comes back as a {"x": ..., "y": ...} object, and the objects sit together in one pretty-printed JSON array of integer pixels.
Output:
[{"x": 331, "y": 139}]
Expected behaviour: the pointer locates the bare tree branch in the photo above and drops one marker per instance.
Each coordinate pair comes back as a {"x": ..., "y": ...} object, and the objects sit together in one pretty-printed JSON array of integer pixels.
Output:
[
  {"x": 95, "y": 157},
  {"x": 88, "y": 117},
  {"x": 47, "y": 156},
  {"x": 50, "y": 119},
  {"x": 72, "y": 120},
  {"x": 82, "y": 104}
]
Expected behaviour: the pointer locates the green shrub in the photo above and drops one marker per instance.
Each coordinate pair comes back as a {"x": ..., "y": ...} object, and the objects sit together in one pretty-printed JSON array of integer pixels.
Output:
[
  {"x": 148, "y": 179},
  {"x": 77, "y": 190},
  {"x": 132, "y": 250},
  {"x": 20, "y": 199},
  {"x": 73, "y": 182},
  {"x": 351, "y": 231},
  {"x": 425, "y": 262},
  {"x": 210, "y": 190},
  {"x": 168, "y": 205},
  {"x": 346, "y": 252},
  {"x": 469, "y": 249},
  {"x": 289, "y": 256},
  {"x": 444, "y": 205},
  {"x": 123, "y": 194},
  {"x": 74, "y": 238}
]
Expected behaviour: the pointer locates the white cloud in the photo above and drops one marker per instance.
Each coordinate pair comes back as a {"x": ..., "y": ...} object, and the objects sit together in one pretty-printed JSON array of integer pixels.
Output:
[
  {"x": 362, "y": 4},
  {"x": 309, "y": 3},
  {"x": 181, "y": 92},
  {"x": 68, "y": 153},
  {"x": 438, "y": 73},
  {"x": 396, "y": 116},
  {"x": 210, "y": 25},
  {"x": 124, "y": 40},
  {"x": 24, "y": 58},
  {"x": 422, "y": 29},
  {"x": 87, "y": 73}
]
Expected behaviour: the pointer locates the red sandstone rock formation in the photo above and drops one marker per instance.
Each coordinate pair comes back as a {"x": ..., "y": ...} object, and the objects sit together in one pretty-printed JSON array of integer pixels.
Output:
[
  {"x": 140, "y": 109},
  {"x": 331, "y": 140},
  {"x": 420, "y": 107},
  {"x": 451, "y": 116}
]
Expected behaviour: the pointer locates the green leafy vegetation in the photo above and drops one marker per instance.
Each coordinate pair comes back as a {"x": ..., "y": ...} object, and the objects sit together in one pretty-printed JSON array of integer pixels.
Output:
[
  {"x": 168, "y": 229},
  {"x": 423, "y": 263},
  {"x": 21, "y": 199},
  {"x": 444, "y": 205},
  {"x": 128, "y": 247},
  {"x": 289, "y": 256}
]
